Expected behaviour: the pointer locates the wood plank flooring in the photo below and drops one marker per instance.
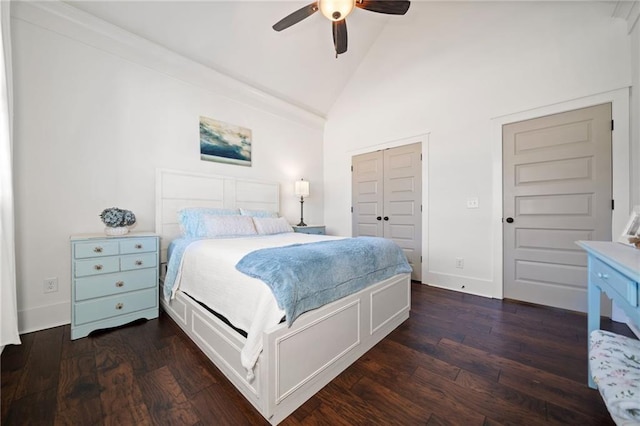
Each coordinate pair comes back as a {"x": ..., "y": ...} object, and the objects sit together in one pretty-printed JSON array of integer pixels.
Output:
[{"x": 459, "y": 360}]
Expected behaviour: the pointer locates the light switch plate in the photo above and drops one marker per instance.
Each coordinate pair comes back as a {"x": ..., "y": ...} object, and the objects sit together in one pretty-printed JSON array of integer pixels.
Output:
[{"x": 473, "y": 203}]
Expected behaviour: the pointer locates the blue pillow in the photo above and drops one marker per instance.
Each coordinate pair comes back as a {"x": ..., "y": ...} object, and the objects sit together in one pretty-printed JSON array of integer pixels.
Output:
[{"x": 191, "y": 219}]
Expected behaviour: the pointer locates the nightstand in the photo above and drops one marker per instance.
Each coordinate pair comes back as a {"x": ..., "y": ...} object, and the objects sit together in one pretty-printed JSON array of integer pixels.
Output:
[
  {"x": 114, "y": 280},
  {"x": 311, "y": 229}
]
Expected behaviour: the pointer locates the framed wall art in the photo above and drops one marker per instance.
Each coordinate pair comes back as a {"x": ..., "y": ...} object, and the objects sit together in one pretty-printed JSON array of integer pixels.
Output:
[{"x": 224, "y": 143}]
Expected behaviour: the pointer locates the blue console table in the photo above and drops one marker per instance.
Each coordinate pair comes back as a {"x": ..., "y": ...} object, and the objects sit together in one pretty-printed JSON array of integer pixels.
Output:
[{"x": 614, "y": 269}]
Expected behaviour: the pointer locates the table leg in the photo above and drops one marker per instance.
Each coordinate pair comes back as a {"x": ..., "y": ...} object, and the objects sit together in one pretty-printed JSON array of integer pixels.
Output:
[{"x": 593, "y": 320}]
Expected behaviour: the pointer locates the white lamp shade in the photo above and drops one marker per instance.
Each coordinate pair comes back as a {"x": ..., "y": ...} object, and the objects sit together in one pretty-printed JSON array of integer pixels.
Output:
[
  {"x": 302, "y": 188},
  {"x": 336, "y": 10}
]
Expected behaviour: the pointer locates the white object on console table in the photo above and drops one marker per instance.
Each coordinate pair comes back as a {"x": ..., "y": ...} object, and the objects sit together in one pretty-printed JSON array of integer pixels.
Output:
[
  {"x": 114, "y": 280},
  {"x": 614, "y": 269},
  {"x": 310, "y": 229}
]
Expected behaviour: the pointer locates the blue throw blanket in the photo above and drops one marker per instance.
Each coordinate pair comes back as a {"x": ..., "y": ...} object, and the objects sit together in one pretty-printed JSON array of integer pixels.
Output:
[
  {"x": 307, "y": 276},
  {"x": 174, "y": 255}
]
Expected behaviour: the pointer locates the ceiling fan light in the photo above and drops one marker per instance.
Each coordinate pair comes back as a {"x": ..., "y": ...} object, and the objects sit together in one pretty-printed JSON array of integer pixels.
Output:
[{"x": 336, "y": 10}]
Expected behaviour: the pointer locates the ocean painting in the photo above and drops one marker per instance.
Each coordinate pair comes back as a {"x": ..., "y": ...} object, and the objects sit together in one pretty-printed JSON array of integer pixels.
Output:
[{"x": 224, "y": 143}]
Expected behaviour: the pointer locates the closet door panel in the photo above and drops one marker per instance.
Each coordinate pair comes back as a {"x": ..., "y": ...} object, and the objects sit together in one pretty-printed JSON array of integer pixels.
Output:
[
  {"x": 402, "y": 218},
  {"x": 367, "y": 195}
]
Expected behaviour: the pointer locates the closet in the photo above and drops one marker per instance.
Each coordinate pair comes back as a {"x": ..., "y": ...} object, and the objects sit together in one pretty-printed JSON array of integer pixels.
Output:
[{"x": 386, "y": 191}]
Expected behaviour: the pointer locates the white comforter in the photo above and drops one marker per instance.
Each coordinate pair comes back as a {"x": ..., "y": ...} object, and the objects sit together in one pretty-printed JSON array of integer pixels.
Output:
[{"x": 208, "y": 274}]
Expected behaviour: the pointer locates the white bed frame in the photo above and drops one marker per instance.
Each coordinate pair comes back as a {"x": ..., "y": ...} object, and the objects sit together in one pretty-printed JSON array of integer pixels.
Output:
[{"x": 295, "y": 362}]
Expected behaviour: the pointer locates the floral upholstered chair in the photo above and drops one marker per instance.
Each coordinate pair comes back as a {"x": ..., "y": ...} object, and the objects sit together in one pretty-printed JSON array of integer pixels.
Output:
[{"x": 615, "y": 367}]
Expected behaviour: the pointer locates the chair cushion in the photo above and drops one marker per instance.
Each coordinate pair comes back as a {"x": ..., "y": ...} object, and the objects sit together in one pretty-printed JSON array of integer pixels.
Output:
[{"x": 615, "y": 367}]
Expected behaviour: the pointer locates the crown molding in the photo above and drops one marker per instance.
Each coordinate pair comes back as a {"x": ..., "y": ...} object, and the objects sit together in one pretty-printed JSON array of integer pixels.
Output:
[
  {"x": 87, "y": 29},
  {"x": 629, "y": 11}
]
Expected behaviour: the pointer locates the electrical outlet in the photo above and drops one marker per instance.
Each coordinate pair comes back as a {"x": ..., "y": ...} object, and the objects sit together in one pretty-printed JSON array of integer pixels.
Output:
[
  {"x": 459, "y": 262},
  {"x": 50, "y": 285}
]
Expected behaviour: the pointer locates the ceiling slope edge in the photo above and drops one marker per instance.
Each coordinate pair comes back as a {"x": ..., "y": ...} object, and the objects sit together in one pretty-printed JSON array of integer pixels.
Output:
[
  {"x": 78, "y": 25},
  {"x": 629, "y": 11}
]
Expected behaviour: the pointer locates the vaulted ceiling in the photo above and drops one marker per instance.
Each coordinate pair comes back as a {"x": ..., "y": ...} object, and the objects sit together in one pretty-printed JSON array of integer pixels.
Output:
[{"x": 235, "y": 38}]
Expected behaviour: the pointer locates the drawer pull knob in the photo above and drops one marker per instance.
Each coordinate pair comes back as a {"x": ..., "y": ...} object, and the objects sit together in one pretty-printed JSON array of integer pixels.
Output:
[
  {"x": 119, "y": 306},
  {"x": 119, "y": 283},
  {"x": 138, "y": 262},
  {"x": 97, "y": 249},
  {"x": 97, "y": 267},
  {"x": 138, "y": 246}
]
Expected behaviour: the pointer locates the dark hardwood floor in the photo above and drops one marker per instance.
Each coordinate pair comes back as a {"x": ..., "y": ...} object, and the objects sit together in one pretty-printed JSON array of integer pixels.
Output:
[{"x": 459, "y": 360}]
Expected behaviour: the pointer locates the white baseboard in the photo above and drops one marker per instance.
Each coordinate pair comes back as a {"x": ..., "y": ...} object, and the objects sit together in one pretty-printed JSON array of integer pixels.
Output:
[
  {"x": 461, "y": 283},
  {"x": 44, "y": 317}
]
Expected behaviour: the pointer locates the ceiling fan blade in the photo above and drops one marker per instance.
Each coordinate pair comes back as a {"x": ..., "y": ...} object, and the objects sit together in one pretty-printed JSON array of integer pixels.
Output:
[
  {"x": 390, "y": 7},
  {"x": 296, "y": 16},
  {"x": 340, "y": 36}
]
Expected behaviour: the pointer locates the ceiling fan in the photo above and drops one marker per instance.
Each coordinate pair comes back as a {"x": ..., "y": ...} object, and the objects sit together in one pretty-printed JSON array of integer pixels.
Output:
[{"x": 337, "y": 10}]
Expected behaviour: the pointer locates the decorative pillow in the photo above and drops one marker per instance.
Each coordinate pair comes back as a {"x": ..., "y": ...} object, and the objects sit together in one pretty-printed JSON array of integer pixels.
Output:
[
  {"x": 258, "y": 213},
  {"x": 272, "y": 225},
  {"x": 228, "y": 226},
  {"x": 190, "y": 219}
]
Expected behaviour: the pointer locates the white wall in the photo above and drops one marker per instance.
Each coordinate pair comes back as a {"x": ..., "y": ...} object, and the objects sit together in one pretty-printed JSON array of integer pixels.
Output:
[
  {"x": 97, "y": 110},
  {"x": 635, "y": 114},
  {"x": 447, "y": 72}
]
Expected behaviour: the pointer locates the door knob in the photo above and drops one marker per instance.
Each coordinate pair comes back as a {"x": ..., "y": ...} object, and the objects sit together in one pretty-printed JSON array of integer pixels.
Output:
[
  {"x": 379, "y": 218},
  {"x": 386, "y": 218},
  {"x": 509, "y": 220}
]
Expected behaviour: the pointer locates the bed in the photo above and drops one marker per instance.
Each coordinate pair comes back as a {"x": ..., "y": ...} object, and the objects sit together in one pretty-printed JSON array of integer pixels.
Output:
[{"x": 286, "y": 372}]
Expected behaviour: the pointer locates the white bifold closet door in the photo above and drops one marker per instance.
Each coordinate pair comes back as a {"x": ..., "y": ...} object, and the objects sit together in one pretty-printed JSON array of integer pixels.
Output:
[{"x": 387, "y": 199}]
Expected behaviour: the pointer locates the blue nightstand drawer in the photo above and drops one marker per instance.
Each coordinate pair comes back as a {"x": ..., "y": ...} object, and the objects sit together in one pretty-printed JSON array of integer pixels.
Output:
[
  {"x": 107, "y": 307},
  {"x": 95, "y": 249},
  {"x": 138, "y": 261},
  {"x": 627, "y": 288},
  {"x": 97, "y": 266},
  {"x": 110, "y": 284},
  {"x": 311, "y": 229},
  {"x": 138, "y": 245}
]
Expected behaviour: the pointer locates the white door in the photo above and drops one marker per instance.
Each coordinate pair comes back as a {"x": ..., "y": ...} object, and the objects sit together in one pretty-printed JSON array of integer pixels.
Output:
[
  {"x": 387, "y": 199},
  {"x": 557, "y": 190},
  {"x": 367, "y": 180}
]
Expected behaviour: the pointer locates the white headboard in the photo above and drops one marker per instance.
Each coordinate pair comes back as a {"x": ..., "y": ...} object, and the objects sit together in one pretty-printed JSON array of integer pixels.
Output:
[{"x": 177, "y": 189}]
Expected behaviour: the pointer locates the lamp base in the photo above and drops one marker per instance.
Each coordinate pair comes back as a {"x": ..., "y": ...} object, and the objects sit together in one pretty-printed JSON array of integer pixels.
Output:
[{"x": 301, "y": 213}]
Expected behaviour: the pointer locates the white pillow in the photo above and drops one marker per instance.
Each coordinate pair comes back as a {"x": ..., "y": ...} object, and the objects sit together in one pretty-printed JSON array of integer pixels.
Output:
[
  {"x": 258, "y": 213},
  {"x": 228, "y": 226},
  {"x": 271, "y": 225}
]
